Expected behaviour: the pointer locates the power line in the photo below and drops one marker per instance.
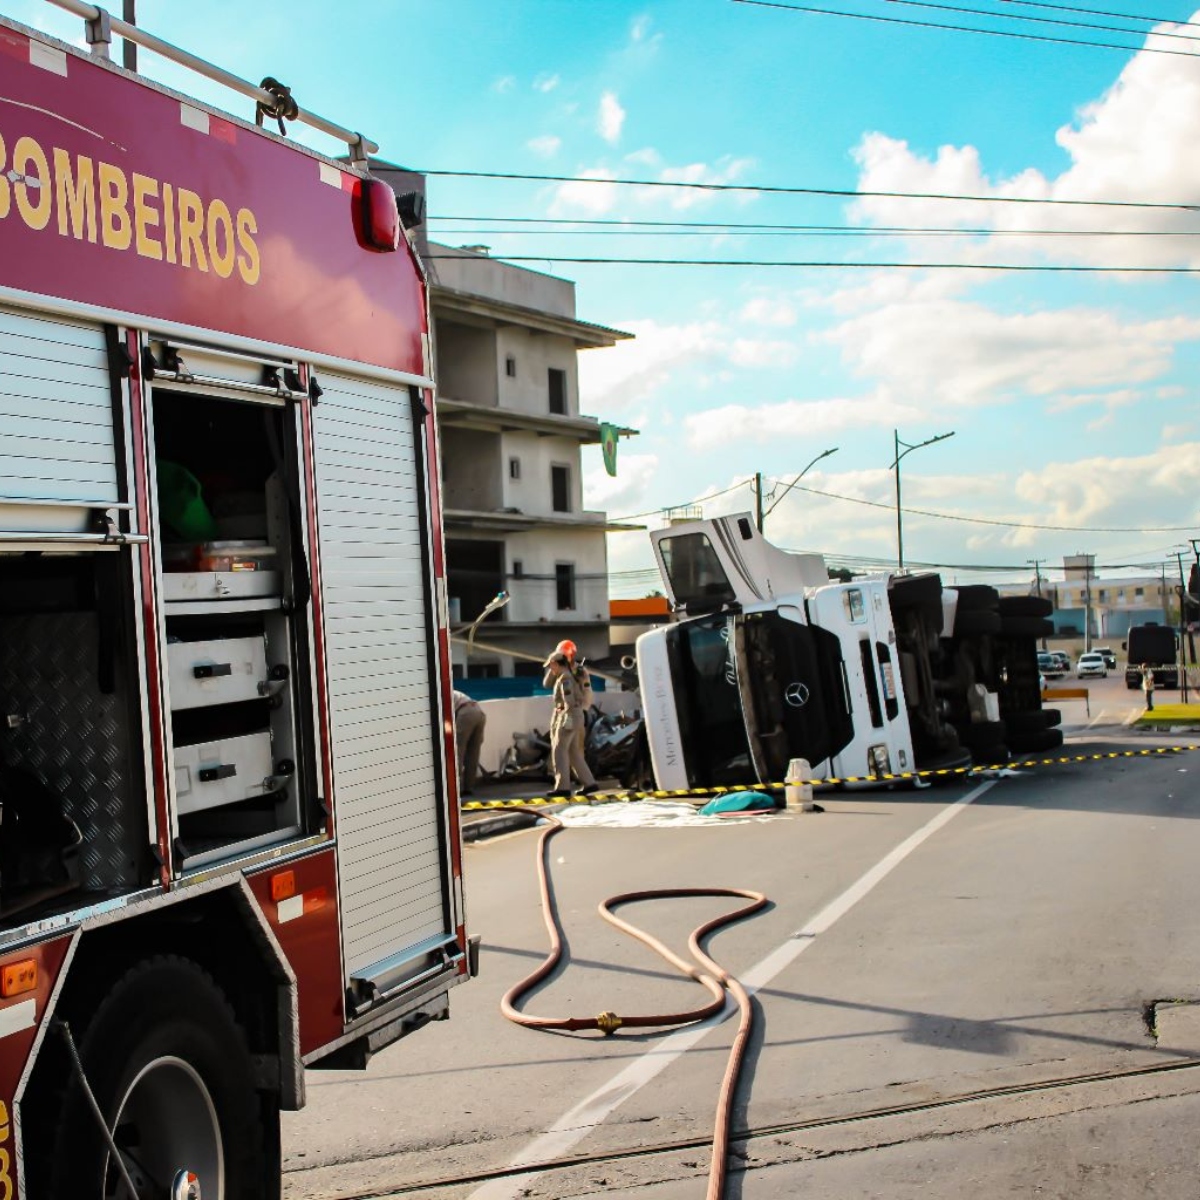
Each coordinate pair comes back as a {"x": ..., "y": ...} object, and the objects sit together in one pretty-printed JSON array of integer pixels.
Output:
[
  {"x": 983, "y": 12},
  {"x": 620, "y": 225},
  {"x": 813, "y": 230},
  {"x": 781, "y": 190},
  {"x": 1030, "y": 268},
  {"x": 1006, "y": 33},
  {"x": 1101, "y": 12},
  {"x": 687, "y": 504},
  {"x": 924, "y": 512}
]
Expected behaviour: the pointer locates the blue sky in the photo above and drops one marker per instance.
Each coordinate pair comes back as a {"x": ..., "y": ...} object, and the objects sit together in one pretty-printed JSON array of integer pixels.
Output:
[{"x": 1071, "y": 396}]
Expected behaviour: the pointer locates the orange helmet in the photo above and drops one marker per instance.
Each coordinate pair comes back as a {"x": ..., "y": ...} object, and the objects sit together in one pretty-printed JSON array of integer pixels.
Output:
[{"x": 568, "y": 648}]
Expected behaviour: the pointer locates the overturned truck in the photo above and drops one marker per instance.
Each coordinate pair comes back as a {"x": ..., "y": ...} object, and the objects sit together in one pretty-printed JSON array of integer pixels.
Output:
[{"x": 770, "y": 660}]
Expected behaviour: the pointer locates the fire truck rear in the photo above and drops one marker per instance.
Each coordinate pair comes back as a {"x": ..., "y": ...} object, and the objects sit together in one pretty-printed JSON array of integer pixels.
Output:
[{"x": 229, "y": 846}]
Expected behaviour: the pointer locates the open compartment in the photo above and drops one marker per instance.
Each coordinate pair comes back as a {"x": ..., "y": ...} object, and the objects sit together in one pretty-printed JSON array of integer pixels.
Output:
[
  {"x": 74, "y": 818},
  {"x": 242, "y": 774}
]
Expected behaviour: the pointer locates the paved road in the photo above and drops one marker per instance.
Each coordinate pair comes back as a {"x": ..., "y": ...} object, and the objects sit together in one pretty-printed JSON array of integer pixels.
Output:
[{"x": 980, "y": 940}]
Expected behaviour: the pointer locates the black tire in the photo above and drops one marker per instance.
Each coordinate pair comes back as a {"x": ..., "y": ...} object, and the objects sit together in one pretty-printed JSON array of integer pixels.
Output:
[
  {"x": 916, "y": 591},
  {"x": 976, "y": 623},
  {"x": 977, "y": 597},
  {"x": 994, "y": 754},
  {"x": 1053, "y": 717},
  {"x": 1025, "y": 606},
  {"x": 1029, "y": 720},
  {"x": 165, "y": 1010},
  {"x": 1036, "y": 741},
  {"x": 978, "y": 734},
  {"x": 1026, "y": 626}
]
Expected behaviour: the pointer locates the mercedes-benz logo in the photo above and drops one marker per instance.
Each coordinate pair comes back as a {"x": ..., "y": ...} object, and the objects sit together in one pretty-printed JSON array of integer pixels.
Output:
[{"x": 796, "y": 694}]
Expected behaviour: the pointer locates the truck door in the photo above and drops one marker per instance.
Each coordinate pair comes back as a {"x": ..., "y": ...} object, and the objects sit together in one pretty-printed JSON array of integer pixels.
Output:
[{"x": 385, "y": 714}]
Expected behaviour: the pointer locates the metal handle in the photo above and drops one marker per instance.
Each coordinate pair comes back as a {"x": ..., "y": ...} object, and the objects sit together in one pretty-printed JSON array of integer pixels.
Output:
[
  {"x": 212, "y": 774},
  {"x": 212, "y": 670}
]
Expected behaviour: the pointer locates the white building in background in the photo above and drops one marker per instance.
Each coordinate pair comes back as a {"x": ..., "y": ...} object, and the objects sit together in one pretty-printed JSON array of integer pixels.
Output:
[{"x": 506, "y": 342}]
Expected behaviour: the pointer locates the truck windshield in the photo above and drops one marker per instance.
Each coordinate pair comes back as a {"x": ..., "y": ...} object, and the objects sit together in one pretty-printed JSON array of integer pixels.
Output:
[
  {"x": 711, "y": 724},
  {"x": 695, "y": 573},
  {"x": 793, "y": 680}
]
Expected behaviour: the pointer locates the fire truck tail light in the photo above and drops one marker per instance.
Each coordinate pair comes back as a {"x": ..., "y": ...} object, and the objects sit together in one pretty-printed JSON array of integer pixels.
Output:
[
  {"x": 283, "y": 886},
  {"x": 18, "y": 977},
  {"x": 381, "y": 215}
]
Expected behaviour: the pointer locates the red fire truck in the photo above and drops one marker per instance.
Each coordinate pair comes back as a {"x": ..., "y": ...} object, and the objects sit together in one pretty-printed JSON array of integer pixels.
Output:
[{"x": 229, "y": 847}]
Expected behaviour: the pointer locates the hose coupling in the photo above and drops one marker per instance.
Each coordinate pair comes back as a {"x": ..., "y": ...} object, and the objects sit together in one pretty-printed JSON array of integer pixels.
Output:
[{"x": 608, "y": 1023}]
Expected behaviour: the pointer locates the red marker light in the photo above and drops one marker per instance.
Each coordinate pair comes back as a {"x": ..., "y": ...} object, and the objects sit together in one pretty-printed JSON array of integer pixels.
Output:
[{"x": 380, "y": 215}]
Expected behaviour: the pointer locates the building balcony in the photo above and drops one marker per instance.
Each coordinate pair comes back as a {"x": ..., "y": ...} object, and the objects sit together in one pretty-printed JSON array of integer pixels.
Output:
[
  {"x": 514, "y": 521},
  {"x": 463, "y": 414}
]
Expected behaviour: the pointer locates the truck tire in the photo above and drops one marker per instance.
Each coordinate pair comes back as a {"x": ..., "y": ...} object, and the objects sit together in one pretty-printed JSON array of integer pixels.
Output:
[
  {"x": 977, "y": 597},
  {"x": 1026, "y": 626},
  {"x": 1025, "y": 606},
  {"x": 172, "y": 1073},
  {"x": 977, "y": 735},
  {"x": 1036, "y": 741},
  {"x": 976, "y": 622},
  {"x": 920, "y": 592}
]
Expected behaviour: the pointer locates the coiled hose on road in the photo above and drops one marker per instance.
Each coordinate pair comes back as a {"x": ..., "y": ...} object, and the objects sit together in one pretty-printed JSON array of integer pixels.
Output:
[{"x": 704, "y": 970}]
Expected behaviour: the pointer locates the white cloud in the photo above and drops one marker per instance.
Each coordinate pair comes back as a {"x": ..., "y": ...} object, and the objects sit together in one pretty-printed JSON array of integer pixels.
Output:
[
  {"x": 546, "y": 146},
  {"x": 626, "y": 491},
  {"x": 768, "y": 310},
  {"x": 792, "y": 419},
  {"x": 1135, "y": 143},
  {"x": 611, "y": 118},
  {"x": 629, "y": 372},
  {"x": 504, "y": 84},
  {"x": 546, "y": 83},
  {"x": 593, "y": 194},
  {"x": 961, "y": 353},
  {"x": 639, "y": 28}
]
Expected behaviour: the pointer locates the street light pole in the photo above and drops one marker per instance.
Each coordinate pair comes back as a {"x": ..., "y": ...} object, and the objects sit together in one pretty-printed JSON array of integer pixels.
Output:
[
  {"x": 908, "y": 449},
  {"x": 823, "y": 454},
  {"x": 1037, "y": 570}
]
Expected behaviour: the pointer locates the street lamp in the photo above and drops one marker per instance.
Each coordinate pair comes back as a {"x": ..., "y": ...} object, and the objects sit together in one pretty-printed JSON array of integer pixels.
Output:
[
  {"x": 823, "y": 454},
  {"x": 499, "y": 600},
  {"x": 941, "y": 437}
]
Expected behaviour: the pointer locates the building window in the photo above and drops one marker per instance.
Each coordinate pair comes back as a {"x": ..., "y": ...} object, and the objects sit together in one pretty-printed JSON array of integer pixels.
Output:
[
  {"x": 514, "y": 468},
  {"x": 564, "y": 586},
  {"x": 560, "y": 488},
  {"x": 518, "y": 571},
  {"x": 1103, "y": 595},
  {"x": 1139, "y": 593},
  {"x": 558, "y": 391},
  {"x": 510, "y": 367}
]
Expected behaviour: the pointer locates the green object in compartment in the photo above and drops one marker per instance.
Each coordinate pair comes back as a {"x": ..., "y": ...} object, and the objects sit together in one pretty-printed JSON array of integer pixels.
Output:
[{"x": 181, "y": 503}]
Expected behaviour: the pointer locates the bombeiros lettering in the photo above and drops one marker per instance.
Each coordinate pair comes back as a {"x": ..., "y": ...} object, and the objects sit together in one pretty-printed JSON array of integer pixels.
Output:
[{"x": 73, "y": 195}]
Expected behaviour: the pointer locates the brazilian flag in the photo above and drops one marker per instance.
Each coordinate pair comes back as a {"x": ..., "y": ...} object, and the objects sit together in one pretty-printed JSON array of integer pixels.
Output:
[{"x": 608, "y": 445}]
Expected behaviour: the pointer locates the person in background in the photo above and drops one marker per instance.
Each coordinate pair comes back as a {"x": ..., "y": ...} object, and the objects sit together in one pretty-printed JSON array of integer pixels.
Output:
[
  {"x": 469, "y": 723},
  {"x": 1148, "y": 687},
  {"x": 570, "y": 696}
]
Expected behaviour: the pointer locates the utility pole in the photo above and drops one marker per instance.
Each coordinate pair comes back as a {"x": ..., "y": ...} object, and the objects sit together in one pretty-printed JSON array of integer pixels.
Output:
[
  {"x": 758, "y": 500},
  {"x": 1037, "y": 570},
  {"x": 128, "y": 46},
  {"x": 776, "y": 500},
  {"x": 1183, "y": 693},
  {"x": 941, "y": 437}
]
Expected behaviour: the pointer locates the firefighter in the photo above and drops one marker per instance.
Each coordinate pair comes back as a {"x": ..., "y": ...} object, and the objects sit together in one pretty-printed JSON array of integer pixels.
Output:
[
  {"x": 571, "y": 693},
  {"x": 1148, "y": 687},
  {"x": 469, "y": 723}
]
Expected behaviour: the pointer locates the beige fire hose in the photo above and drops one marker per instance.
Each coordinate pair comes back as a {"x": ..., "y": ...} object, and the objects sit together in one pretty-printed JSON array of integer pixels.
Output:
[{"x": 709, "y": 974}]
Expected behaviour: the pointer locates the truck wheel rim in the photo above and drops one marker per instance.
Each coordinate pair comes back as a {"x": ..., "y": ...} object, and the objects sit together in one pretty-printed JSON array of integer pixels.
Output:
[{"x": 167, "y": 1122}]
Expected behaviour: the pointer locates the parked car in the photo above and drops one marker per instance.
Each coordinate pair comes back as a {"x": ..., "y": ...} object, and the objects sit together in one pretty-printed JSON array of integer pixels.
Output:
[
  {"x": 1050, "y": 667},
  {"x": 1091, "y": 664},
  {"x": 1110, "y": 659},
  {"x": 1064, "y": 660}
]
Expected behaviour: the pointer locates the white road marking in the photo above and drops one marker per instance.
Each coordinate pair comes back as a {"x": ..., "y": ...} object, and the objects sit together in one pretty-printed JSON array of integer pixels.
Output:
[{"x": 573, "y": 1126}]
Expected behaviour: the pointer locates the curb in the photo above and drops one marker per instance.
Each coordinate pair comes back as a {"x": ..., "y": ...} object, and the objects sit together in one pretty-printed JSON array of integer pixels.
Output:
[{"x": 505, "y": 822}]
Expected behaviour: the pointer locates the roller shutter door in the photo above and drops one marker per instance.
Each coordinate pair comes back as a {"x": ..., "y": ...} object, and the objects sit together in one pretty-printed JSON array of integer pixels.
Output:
[
  {"x": 56, "y": 425},
  {"x": 389, "y": 818}
]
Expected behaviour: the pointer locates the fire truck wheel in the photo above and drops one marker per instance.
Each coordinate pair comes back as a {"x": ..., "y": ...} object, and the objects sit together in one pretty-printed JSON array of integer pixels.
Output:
[{"x": 172, "y": 1073}]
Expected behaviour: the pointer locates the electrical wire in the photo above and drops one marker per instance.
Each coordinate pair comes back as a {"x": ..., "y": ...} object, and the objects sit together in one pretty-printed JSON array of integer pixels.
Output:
[
  {"x": 782, "y": 190},
  {"x": 653, "y": 512},
  {"x": 710, "y": 228},
  {"x": 1005, "y": 33},
  {"x": 1101, "y": 12},
  {"x": 924, "y": 512},
  {"x": 816, "y": 232},
  {"x": 983, "y": 12},
  {"x": 813, "y": 264}
]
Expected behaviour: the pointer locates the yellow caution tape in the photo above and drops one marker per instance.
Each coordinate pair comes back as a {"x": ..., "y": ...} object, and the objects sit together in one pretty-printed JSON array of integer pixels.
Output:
[{"x": 624, "y": 795}]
